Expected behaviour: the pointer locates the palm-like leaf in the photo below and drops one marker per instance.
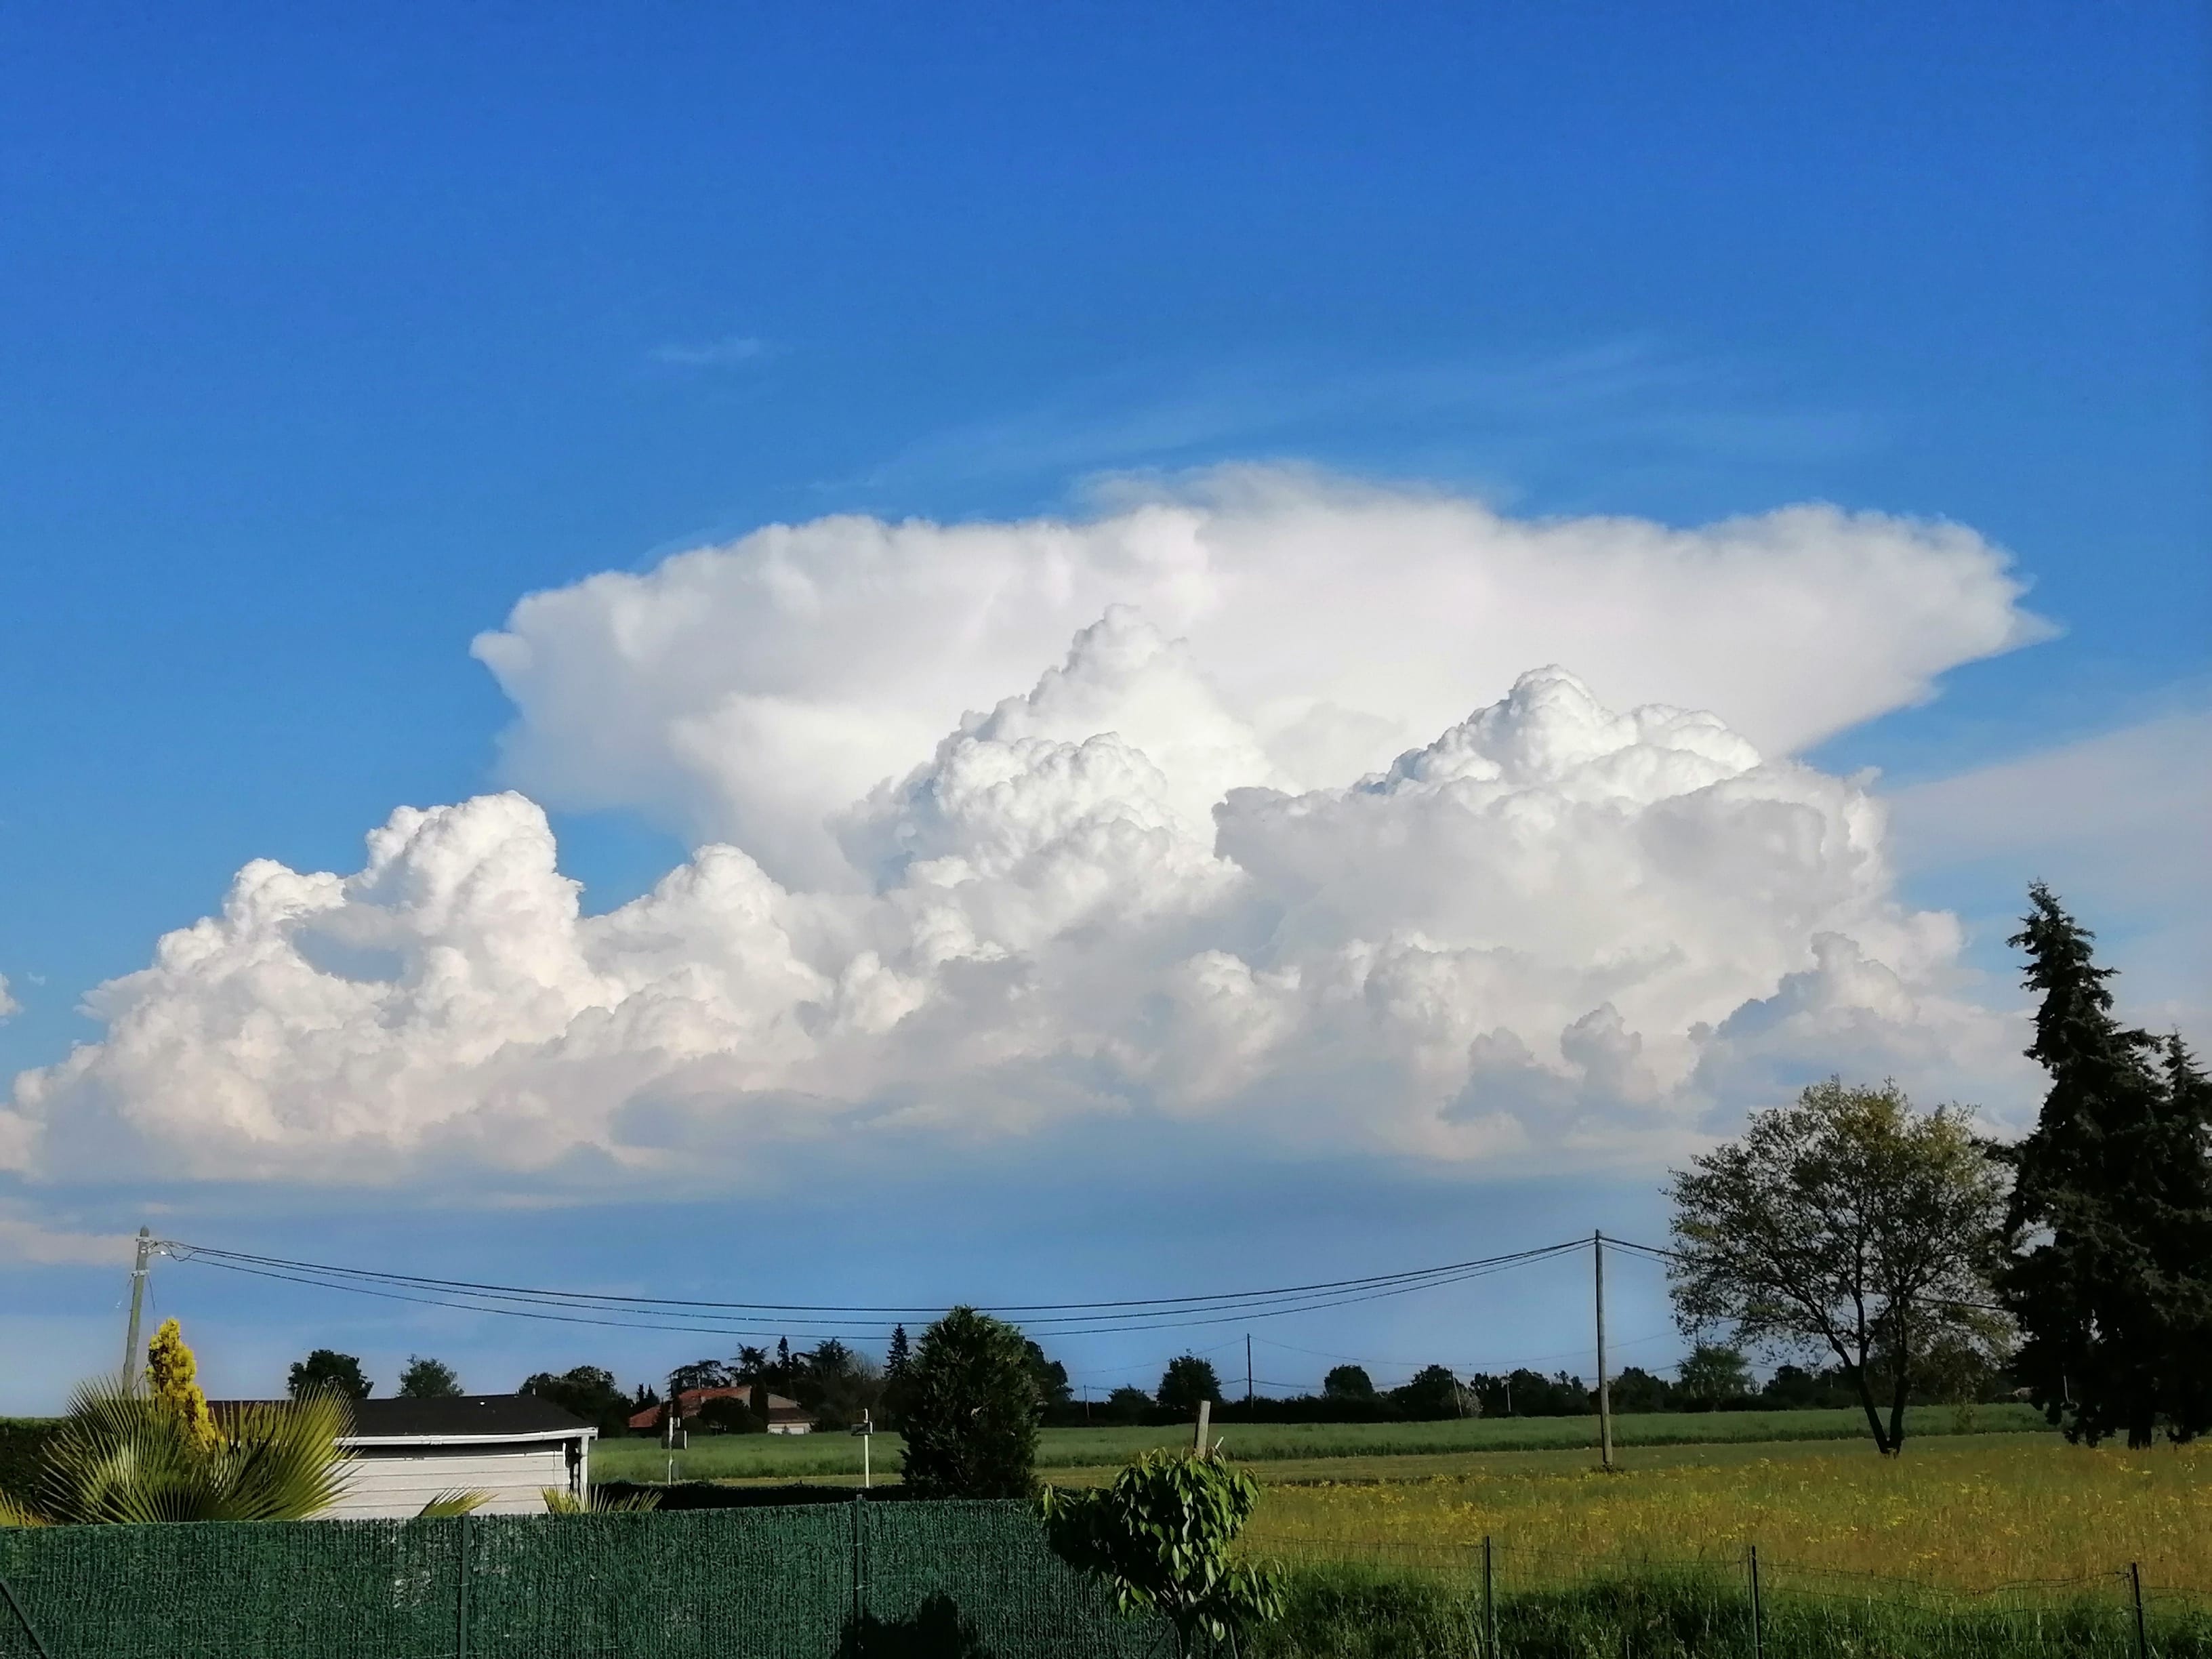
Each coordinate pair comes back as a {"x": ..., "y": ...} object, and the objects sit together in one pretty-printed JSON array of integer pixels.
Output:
[
  {"x": 559, "y": 1500},
  {"x": 122, "y": 1456},
  {"x": 447, "y": 1504}
]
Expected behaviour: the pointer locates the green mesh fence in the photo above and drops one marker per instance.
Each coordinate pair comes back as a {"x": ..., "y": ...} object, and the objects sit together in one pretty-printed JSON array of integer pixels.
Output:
[
  {"x": 973, "y": 1581},
  {"x": 885, "y": 1582}
]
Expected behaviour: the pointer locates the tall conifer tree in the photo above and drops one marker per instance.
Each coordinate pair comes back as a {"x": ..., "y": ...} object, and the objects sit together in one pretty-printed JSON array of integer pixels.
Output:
[
  {"x": 2189, "y": 1097},
  {"x": 2112, "y": 1208}
]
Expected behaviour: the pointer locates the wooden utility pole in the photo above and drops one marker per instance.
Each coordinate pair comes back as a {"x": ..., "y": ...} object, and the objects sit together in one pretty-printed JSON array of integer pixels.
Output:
[
  {"x": 134, "y": 1357},
  {"x": 1248, "y": 1368},
  {"x": 1604, "y": 1392}
]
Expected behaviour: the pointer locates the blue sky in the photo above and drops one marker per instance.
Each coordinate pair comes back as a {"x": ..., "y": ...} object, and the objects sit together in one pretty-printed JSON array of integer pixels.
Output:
[{"x": 328, "y": 339}]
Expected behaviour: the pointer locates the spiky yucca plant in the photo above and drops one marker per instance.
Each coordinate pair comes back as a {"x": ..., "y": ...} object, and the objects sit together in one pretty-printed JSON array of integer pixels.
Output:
[{"x": 120, "y": 1455}]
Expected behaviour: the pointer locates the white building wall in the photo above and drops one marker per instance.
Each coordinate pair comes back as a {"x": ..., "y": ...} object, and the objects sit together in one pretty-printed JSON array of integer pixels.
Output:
[{"x": 395, "y": 1482}]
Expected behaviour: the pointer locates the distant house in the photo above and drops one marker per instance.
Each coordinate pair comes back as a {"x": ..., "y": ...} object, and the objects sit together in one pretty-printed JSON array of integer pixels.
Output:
[
  {"x": 784, "y": 1416},
  {"x": 514, "y": 1446}
]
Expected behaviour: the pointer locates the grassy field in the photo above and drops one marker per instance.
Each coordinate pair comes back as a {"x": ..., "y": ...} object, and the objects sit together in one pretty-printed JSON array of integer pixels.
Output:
[
  {"x": 1967, "y": 1513},
  {"x": 1351, "y": 1612},
  {"x": 779, "y": 1457},
  {"x": 1991, "y": 1546}
]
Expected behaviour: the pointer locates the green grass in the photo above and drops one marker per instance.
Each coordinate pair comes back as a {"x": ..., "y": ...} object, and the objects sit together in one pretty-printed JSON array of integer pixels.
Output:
[
  {"x": 781, "y": 1457},
  {"x": 1969, "y": 1513},
  {"x": 1341, "y": 1612}
]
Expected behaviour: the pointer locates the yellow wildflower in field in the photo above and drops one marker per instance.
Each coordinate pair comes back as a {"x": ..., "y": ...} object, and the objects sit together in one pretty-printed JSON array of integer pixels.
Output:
[
  {"x": 1967, "y": 1513},
  {"x": 172, "y": 1373}
]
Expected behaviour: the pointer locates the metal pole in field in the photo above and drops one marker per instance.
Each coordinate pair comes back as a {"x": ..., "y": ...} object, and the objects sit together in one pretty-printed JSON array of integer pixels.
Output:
[
  {"x": 134, "y": 1360},
  {"x": 1758, "y": 1622},
  {"x": 2142, "y": 1635},
  {"x": 1604, "y": 1392}
]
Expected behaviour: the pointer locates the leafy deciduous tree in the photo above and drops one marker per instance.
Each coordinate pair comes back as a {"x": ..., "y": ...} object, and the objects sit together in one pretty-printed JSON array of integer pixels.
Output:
[
  {"x": 428, "y": 1379},
  {"x": 1848, "y": 1222},
  {"x": 699, "y": 1374},
  {"x": 1160, "y": 1534},
  {"x": 1347, "y": 1383},
  {"x": 1053, "y": 1389},
  {"x": 1713, "y": 1371},
  {"x": 838, "y": 1385},
  {"x": 1430, "y": 1394},
  {"x": 1186, "y": 1380},
  {"x": 1127, "y": 1404},
  {"x": 327, "y": 1368},
  {"x": 588, "y": 1391},
  {"x": 1638, "y": 1390}
]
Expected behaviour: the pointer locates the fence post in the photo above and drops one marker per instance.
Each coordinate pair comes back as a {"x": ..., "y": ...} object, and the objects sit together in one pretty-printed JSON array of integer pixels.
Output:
[
  {"x": 24, "y": 1620},
  {"x": 461, "y": 1595},
  {"x": 859, "y": 1636},
  {"x": 1489, "y": 1603},
  {"x": 2142, "y": 1635},
  {"x": 1758, "y": 1622}
]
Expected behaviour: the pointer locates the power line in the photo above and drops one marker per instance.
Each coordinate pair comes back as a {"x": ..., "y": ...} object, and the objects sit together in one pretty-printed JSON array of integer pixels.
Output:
[
  {"x": 722, "y": 1318},
  {"x": 1670, "y": 1257},
  {"x": 184, "y": 1251}
]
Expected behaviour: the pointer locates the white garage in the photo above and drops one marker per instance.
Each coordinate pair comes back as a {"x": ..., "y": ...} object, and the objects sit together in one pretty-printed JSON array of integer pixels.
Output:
[{"x": 406, "y": 1452}]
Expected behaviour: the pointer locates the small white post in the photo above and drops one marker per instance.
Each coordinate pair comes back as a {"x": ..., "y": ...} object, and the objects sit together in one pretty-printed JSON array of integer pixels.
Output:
[{"x": 1205, "y": 1418}]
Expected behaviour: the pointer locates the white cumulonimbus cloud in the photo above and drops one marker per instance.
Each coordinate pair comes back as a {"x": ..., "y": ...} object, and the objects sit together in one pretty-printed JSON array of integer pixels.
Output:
[
  {"x": 749, "y": 693},
  {"x": 1241, "y": 855}
]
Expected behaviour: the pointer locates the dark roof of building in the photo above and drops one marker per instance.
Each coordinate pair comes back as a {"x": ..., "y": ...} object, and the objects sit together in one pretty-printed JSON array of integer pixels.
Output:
[
  {"x": 488, "y": 1414},
  {"x": 495, "y": 1416}
]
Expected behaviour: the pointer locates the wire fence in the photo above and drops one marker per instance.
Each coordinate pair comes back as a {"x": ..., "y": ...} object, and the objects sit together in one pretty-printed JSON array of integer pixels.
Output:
[
  {"x": 975, "y": 1581},
  {"x": 1508, "y": 1602}
]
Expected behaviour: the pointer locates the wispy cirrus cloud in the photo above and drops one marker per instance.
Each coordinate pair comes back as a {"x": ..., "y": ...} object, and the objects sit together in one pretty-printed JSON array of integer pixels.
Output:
[
  {"x": 727, "y": 352},
  {"x": 1631, "y": 402},
  {"x": 2117, "y": 822}
]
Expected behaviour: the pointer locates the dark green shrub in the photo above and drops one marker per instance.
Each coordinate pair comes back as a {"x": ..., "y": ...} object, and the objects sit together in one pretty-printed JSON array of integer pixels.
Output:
[{"x": 968, "y": 1410}]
